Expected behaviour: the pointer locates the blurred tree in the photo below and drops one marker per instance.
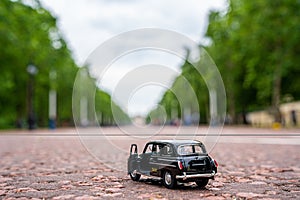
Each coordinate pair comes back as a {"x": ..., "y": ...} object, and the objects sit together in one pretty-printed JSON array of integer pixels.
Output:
[
  {"x": 255, "y": 45},
  {"x": 98, "y": 106},
  {"x": 111, "y": 113},
  {"x": 25, "y": 39},
  {"x": 187, "y": 97},
  {"x": 29, "y": 35}
]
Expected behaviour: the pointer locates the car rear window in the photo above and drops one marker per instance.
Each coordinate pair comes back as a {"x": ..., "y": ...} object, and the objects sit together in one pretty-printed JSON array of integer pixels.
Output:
[{"x": 190, "y": 149}]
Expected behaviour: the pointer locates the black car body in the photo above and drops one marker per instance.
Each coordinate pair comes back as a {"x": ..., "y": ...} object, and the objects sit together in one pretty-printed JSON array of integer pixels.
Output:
[{"x": 172, "y": 161}]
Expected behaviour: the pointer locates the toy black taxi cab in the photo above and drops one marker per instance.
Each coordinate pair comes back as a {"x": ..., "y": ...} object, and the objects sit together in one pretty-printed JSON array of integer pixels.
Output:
[{"x": 172, "y": 161}]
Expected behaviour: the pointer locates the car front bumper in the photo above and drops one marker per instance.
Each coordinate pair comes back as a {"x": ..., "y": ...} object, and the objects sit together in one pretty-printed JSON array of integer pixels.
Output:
[{"x": 193, "y": 176}]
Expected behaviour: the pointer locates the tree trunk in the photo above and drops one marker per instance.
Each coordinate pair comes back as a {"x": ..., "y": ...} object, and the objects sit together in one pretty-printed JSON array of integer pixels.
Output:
[
  {"x": 276, "y": 93},
  {"x": 231, "y": 106}
]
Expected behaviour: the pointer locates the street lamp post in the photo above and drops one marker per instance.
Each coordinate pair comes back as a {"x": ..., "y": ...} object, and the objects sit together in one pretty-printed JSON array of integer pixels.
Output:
[
  {"x": 52, "y": 100},
  {"x": 32, "y": 71}
]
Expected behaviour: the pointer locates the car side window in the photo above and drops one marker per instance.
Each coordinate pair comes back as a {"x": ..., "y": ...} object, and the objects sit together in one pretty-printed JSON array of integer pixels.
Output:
[
  {"x": 169, "y": 150},
  {"x": 166, "y": 150},
  {"x": 149, "y": 148},
  {"x": 155, "y": 149},
  {"x": 198, "y": 149}
]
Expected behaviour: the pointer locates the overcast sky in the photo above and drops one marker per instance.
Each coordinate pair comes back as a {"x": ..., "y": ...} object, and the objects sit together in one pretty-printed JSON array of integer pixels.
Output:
[{"x": 86, "y": 24}]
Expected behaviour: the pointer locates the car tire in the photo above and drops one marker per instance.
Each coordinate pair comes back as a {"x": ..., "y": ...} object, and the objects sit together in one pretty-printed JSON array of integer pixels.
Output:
[
  {"x": 134, "y": 175},
  {"x": 169, "y": 180},
  {"x": 202, "y": 182}
]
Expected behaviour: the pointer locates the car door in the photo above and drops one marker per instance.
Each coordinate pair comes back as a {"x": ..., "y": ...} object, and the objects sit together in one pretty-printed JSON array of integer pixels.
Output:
[
  {"x": 153, "y": 160},
  {"x": 147, "y": 158},
  {"x": 133, "y": 159}
]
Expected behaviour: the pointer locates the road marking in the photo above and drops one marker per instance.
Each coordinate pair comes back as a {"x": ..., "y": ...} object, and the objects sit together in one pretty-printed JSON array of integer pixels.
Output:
[{"x": 261, "y": 140}]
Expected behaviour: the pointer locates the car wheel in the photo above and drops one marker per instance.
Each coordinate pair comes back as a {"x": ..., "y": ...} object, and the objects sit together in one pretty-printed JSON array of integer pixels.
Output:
[
  {"x": 202, "y": 182},
  {"x": 169, "y": 180},
  {"x": 135, "y": 176}
]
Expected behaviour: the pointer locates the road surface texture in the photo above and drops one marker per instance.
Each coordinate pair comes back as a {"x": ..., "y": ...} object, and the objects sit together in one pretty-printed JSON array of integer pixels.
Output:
[{"x": 56, "y": 165}]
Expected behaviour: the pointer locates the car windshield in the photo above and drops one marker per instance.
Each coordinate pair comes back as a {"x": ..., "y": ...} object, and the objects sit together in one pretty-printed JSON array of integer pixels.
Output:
[{"x": 190, "y": 149}]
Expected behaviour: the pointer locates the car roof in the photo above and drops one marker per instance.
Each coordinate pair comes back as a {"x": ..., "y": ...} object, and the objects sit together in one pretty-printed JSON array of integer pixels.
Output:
[{"x": 176, "y": 142}]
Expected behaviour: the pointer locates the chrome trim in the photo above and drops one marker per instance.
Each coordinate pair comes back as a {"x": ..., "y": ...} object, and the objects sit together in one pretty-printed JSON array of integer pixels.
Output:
[
  {"x": 199, "y": 164},
  {"x": 168, "y": 160},
  {"x": 162, "y": 164},
  {"x": 185, "y": 176},
  {"x": 150, "y": 176}
]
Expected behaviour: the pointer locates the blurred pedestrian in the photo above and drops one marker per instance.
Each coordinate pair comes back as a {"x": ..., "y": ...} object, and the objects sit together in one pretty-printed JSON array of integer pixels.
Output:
[
  {"x": 31, "y": 122},
  {"x": 294, "y": 117}
]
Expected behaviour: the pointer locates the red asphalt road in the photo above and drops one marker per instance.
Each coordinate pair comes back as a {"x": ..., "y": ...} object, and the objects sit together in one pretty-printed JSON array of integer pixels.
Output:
[{"x": 58, "y": 164}]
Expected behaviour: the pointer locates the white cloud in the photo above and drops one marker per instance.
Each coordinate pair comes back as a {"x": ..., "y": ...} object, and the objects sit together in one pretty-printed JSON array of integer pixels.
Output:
[{"x": 86, "y": 24}]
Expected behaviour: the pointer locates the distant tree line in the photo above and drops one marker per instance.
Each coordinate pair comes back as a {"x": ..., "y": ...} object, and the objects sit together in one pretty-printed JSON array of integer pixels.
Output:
[
  {"x": 91, "y": 106},
  {"x": 29, "y": 37},
  {"x": 255, "y": 45}
]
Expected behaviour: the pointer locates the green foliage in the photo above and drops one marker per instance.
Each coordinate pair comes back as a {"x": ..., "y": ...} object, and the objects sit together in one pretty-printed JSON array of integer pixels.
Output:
[
  {"x": 100, "y": 108},
  {"x": 24, "y": 38},
  {"x": 108, "y": 112},
  {"x": 255, "y": 45},
  {"x": 29, "y": 35},
  {"x": 187, "y": 93}
]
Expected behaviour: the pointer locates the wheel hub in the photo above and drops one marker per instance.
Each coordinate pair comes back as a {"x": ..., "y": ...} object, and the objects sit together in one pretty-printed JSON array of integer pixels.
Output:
[
  {"x": 168, "y": 178},
  {"x": 133, "y": 173}
]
